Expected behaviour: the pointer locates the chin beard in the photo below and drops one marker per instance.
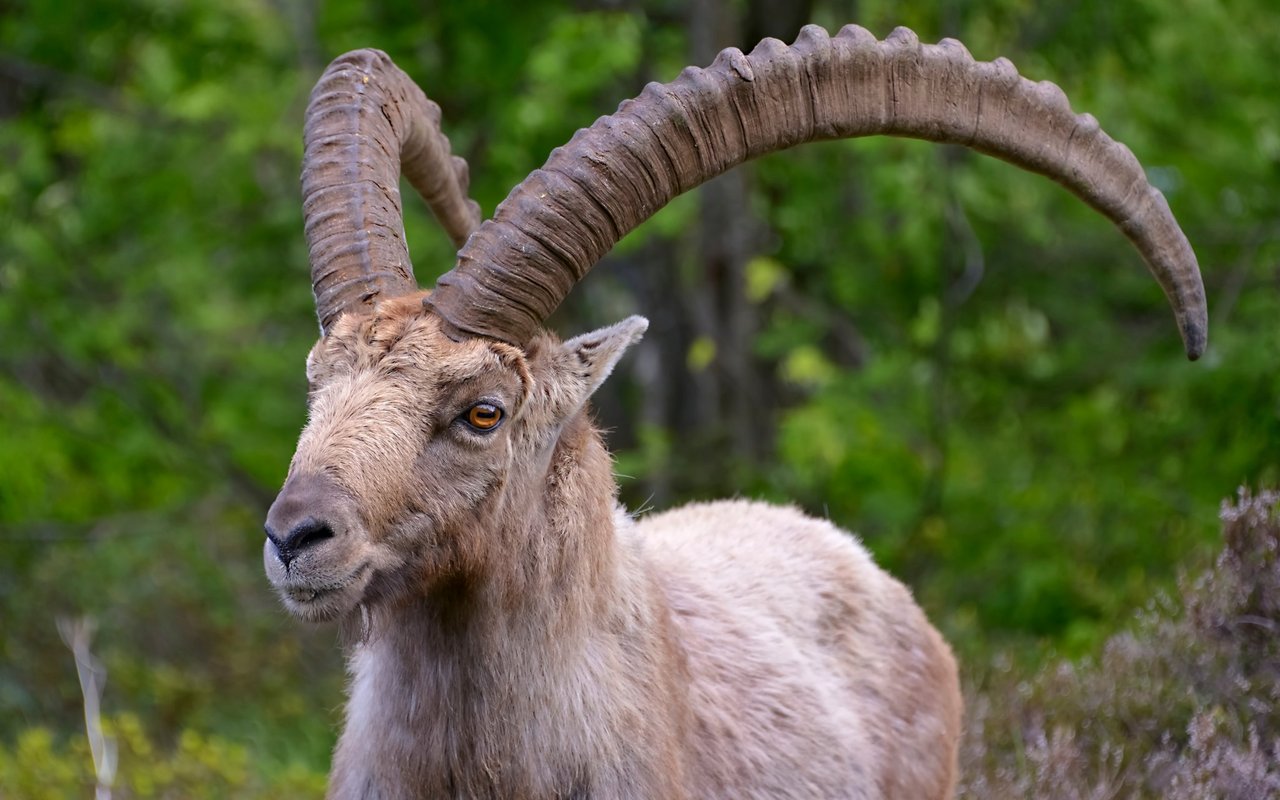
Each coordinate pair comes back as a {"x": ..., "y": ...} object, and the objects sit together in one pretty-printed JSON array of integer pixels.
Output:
[
  {"x": 385, "y": 593},
  {"x": 356, "y": 626}
]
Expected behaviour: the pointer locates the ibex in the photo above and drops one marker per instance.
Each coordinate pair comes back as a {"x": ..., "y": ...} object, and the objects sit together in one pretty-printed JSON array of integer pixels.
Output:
[{"x": 518, "y": 635}]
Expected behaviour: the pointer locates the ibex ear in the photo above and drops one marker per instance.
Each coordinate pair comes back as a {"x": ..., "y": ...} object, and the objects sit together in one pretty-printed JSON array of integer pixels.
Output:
[
  {"x": 585, "y": 361},
  {"x": 313, "y": 366}
]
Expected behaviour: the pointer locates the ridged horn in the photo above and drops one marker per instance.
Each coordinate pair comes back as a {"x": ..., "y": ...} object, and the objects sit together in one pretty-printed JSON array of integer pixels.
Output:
[
  {"x": 563, "y": 218},
  {"x": 366, "y": 121}
]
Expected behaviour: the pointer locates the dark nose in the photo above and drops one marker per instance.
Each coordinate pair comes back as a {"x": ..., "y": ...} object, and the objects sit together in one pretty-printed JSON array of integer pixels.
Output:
[
  {"x": 302, "y": 515},
  {"x": 306, "y": 533}
]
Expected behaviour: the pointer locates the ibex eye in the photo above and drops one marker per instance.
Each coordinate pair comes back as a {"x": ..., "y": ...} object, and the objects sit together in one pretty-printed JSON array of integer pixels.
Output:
[{"x": 483, "y": 416}]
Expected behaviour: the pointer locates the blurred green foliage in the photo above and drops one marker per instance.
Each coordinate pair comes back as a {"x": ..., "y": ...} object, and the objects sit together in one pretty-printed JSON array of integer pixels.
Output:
[
  {"x": 963, "y": 363},
  {"x": 196, "y": 767}
]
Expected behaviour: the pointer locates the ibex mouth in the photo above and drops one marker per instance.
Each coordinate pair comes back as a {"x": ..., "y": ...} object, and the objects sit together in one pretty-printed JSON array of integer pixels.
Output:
[
  {"x": 300, "y": 595},
  {"x": 322, "y": 601}
]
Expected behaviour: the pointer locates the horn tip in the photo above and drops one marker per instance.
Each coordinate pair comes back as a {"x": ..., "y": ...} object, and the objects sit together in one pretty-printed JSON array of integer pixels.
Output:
[{"x": 1195, "y": 337}]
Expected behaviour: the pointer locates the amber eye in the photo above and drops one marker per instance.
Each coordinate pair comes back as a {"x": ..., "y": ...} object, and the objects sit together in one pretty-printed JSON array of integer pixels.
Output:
[{"x": 483, "y": 416}]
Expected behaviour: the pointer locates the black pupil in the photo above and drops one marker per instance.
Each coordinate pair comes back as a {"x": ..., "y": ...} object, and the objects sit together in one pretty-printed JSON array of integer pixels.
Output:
[{"x": 484, "y": 415}]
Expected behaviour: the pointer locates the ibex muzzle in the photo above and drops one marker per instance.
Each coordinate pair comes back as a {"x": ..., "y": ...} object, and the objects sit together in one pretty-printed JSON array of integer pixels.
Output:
[
  {"x": 309, "y": 547},
  {"x": 302, "y": 516}
]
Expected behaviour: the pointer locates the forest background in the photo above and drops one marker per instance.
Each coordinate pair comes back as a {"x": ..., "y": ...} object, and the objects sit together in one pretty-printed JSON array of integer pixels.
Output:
[{"x": 957, "y": 360}]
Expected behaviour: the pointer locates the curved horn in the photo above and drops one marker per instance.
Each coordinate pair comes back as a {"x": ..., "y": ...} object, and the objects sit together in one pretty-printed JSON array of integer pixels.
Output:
[
  {"x": 610, "y": 177},
  {"x": 366, "y": 121}
]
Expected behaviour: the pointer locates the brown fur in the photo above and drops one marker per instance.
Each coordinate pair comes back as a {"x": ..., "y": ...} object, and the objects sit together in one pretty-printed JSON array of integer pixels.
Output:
[{"x": 521, "y": 637}]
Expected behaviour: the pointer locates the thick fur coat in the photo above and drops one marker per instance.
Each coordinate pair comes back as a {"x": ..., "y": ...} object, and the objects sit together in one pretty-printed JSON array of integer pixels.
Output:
[{"x": 519, "y": 636}]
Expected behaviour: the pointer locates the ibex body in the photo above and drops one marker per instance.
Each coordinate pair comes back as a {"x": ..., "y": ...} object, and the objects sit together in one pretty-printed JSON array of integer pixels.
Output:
[{"x": 518, "y": 635}]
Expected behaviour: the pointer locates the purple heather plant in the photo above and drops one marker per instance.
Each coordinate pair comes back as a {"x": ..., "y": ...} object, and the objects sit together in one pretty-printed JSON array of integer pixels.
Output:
[{"x": 1184, "y": 705}]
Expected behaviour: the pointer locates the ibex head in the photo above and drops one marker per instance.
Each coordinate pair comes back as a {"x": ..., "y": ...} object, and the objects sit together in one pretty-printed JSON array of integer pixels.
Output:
[
  {"x": 430, "y": 412},
  {"x": 415, "y": 445}
]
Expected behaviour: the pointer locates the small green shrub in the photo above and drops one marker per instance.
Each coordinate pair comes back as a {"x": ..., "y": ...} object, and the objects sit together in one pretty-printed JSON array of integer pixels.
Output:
[{"x": 196, "y": 767}]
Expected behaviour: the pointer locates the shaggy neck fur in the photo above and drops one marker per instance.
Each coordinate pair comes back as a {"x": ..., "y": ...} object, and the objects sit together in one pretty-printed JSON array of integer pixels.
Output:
[{"x": 531, "y": 675}]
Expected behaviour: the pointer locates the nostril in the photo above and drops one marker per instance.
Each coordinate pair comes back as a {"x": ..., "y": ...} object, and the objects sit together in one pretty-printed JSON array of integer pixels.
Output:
[
  {"x": 307, "y": 533},
  {"x": 308, "y": 510},
  {"x": 303, "y": 535}
]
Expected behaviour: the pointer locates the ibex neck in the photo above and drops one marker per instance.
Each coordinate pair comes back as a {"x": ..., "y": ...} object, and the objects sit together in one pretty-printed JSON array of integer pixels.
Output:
[
  {"x": 511, "y": 682},
  {"x": 558, "y": 550}
]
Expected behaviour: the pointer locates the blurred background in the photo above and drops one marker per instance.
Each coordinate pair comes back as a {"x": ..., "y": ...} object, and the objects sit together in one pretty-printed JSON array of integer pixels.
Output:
[{"x": 956, "y": 359}]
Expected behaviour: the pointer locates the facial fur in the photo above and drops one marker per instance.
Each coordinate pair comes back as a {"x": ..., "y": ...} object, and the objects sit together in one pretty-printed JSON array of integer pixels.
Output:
[{"x": 390, "y": 472}]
